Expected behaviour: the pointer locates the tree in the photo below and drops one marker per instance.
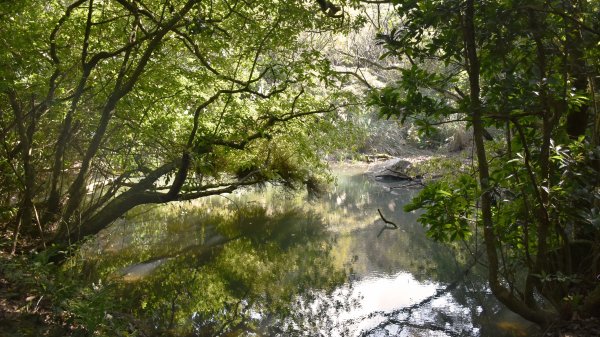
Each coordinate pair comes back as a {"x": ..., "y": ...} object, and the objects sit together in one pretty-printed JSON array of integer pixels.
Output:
[
  {"x": 106, "y": 105},
  {"x": 527, "y": 69}
]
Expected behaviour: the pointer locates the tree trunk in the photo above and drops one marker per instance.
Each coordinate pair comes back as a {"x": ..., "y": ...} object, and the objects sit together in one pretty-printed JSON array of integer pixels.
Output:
[
  {"x": 53, "y": 204},
  {"x": 577, "y": 119},
  {"x": 26, "y": 208},
  {"x": 124, "y": 84},
  {"x": 503, "y": 294}
]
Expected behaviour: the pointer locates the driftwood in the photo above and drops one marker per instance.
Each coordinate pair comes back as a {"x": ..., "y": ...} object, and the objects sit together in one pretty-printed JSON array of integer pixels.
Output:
[
  {"x": 388, "y": 224},
  {"x": 418, "y": 183},
  {"x": 375, "y": 157}
]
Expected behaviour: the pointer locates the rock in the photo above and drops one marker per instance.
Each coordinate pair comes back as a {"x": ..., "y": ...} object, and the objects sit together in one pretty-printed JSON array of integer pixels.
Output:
[{"x": 400, "y": 166}]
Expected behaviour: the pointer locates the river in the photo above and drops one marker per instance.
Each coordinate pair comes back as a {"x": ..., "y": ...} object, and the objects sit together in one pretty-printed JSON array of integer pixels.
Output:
[{"x": 269, "y": 262}]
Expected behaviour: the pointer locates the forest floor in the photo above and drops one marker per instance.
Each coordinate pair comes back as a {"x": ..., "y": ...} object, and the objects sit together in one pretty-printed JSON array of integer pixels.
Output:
[
  {"x": 24, "y": 309},
  {"x": 589, "y": 327}
]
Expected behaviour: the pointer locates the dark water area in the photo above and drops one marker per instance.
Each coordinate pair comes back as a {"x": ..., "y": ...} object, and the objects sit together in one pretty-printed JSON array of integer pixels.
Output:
[{"x": 294, "y": 266}]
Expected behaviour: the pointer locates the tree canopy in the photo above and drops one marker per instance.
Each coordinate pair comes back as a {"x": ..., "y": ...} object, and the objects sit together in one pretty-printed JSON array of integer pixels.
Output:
[{"x": 106, "y": 105}]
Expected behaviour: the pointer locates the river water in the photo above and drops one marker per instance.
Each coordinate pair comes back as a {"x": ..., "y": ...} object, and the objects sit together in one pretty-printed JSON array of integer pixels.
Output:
[{"x": 343, "y": 274}]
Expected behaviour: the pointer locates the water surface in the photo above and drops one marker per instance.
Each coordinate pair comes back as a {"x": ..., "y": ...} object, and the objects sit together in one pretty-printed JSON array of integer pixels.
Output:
[{"x": 329, "y": 268}]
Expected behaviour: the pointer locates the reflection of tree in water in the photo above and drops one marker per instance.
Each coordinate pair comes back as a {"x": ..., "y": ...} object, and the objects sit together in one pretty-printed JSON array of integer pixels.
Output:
[
  {"x": 248, "y": 280},
  {"x": 403, "y": 249},
  {"x": 464, "y": 307},
  {"x": 392, "y": 323},
  {"x": 270, "y": 266},
  {"x": 408, "y": 249}
]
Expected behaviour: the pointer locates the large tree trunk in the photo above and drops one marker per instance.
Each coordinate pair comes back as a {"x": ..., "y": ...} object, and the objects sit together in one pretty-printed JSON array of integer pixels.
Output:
[
  {"x": 577, "y": 119},
  {"x": 136, "y": 195}
]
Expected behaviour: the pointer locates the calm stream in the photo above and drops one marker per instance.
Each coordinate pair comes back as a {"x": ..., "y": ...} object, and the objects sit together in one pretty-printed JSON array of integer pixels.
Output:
[{"x": 290, "y": 266}]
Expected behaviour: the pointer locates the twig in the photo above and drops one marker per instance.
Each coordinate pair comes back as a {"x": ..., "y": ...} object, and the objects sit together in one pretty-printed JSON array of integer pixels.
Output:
[{"x": 14, "y": 248}]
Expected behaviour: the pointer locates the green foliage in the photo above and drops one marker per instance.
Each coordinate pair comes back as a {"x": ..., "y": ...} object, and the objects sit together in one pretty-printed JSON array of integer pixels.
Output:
[
  {"x": 91, "y": 307},
  {"x": 106, "y": 105},
  {"x": 448, "y": 207},
  {"x": 574, "y": 194},
  {"x": 64, "y": 302},
  {"x": 531, "y": 78},
  {"x": 109, "y": 95}
]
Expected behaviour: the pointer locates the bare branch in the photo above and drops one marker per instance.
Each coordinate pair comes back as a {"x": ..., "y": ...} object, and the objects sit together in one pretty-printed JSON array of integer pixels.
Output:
[
  {"x": 387, "y": 222},
  {"x": 357, "y": 76}
]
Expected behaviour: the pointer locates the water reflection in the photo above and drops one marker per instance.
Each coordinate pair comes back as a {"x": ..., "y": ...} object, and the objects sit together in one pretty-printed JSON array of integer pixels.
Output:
[
  {"x": 271, "y": 263},
  {"x": 403, "y": 283}
]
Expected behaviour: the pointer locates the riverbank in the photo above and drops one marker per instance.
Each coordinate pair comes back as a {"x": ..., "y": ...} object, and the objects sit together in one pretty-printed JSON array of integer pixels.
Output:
[
  {"x": 410, "y": 164},
  {"x": 27, "y": 306}
]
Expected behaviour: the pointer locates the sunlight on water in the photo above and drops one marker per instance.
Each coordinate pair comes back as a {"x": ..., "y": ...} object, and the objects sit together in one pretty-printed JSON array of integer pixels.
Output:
[
  {"x": 382, "y": 293},
  {"x": 398, "y": 305}
]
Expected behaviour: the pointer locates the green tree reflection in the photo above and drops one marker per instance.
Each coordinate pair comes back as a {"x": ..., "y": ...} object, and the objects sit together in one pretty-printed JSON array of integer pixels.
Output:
[{"x": 239, "y": 272}]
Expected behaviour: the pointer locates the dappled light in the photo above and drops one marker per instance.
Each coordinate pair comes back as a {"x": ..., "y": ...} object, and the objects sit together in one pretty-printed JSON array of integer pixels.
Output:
[{"x": 299, "y": 168}]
